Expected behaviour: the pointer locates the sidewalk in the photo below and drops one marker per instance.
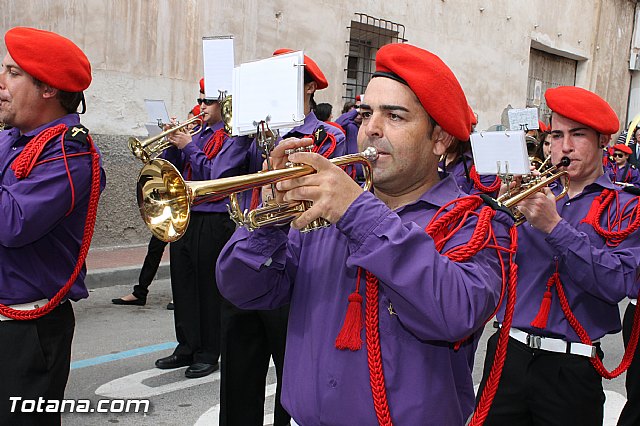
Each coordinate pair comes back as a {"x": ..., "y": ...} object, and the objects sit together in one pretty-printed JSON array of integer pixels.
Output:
[{"x": 119, "y": 265}]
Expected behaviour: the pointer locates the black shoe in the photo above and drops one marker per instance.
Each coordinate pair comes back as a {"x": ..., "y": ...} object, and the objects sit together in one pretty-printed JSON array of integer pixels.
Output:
[
  {"x": 170, "y": 306},
  {"x": 200, "y": 369},
  {"x": 174, "y": 361},
  {"x": 137, "y": 302}
]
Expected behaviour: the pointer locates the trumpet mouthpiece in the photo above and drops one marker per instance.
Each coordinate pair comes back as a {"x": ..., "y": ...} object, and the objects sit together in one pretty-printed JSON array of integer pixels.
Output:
[
  {"x": 564, "y": 162},
  {"x": 370, "y": 153}
]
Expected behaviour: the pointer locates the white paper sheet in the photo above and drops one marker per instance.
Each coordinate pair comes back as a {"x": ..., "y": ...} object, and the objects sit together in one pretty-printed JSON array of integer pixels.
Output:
[
  {"x": 156, "y": 110},
  {"x": 523, "y": 119},
  {"x": 271, "y": 87},
  {"x": 153, "y": 129},
  {"x": 495, "y": 149},
  {"x": 217, "y": 55}
]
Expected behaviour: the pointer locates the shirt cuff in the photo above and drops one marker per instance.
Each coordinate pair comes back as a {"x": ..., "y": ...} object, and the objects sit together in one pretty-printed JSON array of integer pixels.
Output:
[
  {"x": 564, "y": 237},
  {"x": 361, "y": 218}
]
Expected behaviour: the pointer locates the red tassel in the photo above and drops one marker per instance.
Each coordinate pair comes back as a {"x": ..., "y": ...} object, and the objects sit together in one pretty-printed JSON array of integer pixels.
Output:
[
  {"x": 349, "y": 336},
  {"x": 540, "y": 321}
]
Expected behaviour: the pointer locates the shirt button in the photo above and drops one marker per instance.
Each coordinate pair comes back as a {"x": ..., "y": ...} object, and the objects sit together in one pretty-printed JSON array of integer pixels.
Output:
[
  {"x": 333, "y": 383},
  {"x": 13, "y": 148},
  {"x": 568, "y": 204}
]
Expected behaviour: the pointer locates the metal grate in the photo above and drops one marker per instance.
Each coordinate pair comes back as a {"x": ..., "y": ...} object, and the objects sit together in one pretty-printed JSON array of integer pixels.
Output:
[{"x": 366, "y": 35}]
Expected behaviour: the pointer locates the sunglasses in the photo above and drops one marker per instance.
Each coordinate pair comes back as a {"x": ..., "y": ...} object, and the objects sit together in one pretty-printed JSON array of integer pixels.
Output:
[
  {"x": 206, "y": 101},
  {"x": 618, "y": 155}
]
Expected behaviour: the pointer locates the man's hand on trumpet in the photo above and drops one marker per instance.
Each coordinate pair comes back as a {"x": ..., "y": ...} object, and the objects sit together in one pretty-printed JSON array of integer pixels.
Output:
[
  {"x": 540, "y": 210},
  {"x": 330, "y": 189},
  {"x": 179, "y": 138}
]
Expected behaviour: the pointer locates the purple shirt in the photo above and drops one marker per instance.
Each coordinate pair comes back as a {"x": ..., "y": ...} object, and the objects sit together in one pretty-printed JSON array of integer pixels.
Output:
[
  {"x": 436, "y": 301},
  {"x": 623, "y": 174},
  {"x": 595, "y": 277},
  {"x": 39, "y": 241},
  {"x": 230, "y": 161},
  {"x": 460, "y": 168},
  {"x": 351, "y": 128}
]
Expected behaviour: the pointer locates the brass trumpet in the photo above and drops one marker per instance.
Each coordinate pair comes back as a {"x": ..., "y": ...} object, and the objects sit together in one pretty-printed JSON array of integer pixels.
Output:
[
  {"x": 532, "y": 185},
  {"x": 148, "y": 148},
  {"x": 165, "y": 198}
]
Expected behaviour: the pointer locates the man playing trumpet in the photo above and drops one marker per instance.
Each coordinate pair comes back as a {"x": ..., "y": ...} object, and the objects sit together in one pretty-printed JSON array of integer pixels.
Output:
[
  {"x": 418, "y": 301},
  {"x": 577, "y": 259}
]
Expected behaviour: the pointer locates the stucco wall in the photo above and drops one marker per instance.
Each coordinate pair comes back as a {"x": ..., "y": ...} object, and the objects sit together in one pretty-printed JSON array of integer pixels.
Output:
[{"x": 152, "y": 49}]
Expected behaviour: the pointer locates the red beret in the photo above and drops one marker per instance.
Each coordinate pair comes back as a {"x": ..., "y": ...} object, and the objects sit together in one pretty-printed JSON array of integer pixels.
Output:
[
  {"x": 432, "y": 82},
  {"x": 196, "y": 110},
  {"x": 50, "y": 58},
  {"x": 622, "y": 147},
  {"x": 357, "y": 98},
  {"x": 472, "y": 117},
  {"x": 202, "y": 84},
  {"x": 583, "y": 106},
  {"x": 311, "y": 67},
  {"x": 542, "y": 127}
]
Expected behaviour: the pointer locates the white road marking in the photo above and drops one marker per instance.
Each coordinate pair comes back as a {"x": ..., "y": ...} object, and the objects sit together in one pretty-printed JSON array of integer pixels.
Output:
[{"x": 131, "y": 386}]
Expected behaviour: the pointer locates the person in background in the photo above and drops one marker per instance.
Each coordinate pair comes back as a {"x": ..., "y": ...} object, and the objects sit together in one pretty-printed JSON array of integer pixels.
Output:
[
  {"x": 253, "y": 336},
  {"x": 621, "y": 170},
  {"x": 206, "y": 155},
  {"x": 50, "y": 181}
]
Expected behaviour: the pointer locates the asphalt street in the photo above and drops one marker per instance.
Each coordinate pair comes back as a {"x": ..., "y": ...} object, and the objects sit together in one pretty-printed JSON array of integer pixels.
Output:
[{"x": 115, "y": 347}]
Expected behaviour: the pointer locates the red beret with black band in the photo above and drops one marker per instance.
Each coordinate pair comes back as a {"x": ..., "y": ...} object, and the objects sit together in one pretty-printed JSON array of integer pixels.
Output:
[
  {"x": 50, "y": 58},
  {"x": 202, "y": 85},
  {"x": 432, "y": 81},
  {"x": 311, "y": 67},
  {"x": 584, "y": 107}
]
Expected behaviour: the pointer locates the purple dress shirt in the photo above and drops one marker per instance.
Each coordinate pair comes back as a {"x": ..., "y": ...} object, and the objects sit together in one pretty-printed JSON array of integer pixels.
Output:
[
  {"x": 39, "y": 241},
  {"x": 595, "y": 277},
  {"x": 435, "y": 302},
  {"x": 625, "y": 174},
  {"x": 230, "y": 161}
]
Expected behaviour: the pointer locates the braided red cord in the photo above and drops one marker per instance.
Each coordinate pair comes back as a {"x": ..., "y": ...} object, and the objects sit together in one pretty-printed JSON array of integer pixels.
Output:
[
  {"x": 329, "y": 151},
  {"x": 584, "y": 338},
  {"x": 23, "y": 164},
  {"x": 477, "y": 242},
  {"x": 475, "y": 177},
  {"x": 493, "y": 380},
  {"x": 613, "y": 238},
  {"x": 214, "y": 144},
  {"x": 92, "y": 212},
  {"x": 374, "y": 355}
]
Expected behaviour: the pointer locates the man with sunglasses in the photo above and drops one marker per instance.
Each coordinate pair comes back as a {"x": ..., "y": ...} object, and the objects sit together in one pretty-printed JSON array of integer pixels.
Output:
[
  {"x": 621, "y": 170},
  {"x": 207, "y": 154}
]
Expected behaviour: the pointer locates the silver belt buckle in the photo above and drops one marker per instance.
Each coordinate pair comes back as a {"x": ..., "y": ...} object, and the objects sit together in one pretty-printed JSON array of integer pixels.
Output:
[{"x": 534, "y": 342}]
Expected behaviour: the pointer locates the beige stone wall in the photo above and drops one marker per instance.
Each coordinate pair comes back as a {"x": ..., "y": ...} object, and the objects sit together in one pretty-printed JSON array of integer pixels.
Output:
[{"x": 152, "y": 49}]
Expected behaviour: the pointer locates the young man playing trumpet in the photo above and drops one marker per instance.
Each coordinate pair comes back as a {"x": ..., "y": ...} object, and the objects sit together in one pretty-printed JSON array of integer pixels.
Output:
[{"x": 577, "y": 259}]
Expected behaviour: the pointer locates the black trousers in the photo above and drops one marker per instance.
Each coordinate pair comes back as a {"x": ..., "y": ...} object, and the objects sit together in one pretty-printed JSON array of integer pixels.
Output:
[
  {"x": 250, "y": 338},
  {"x": 193, "y": 284},
  {"x": 544, "y": 388},
  {"x": 34, "y": 362},
  {"x": 630, "y": 415},
  {"x": 150, "y": 266}
]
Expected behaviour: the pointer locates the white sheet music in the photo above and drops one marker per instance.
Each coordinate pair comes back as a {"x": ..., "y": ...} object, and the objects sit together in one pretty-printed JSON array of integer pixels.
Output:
[
  {"x": 521, "y": 118},
  {"x": 153, "y": 129},
  {"x": 493, "y": 149},
  {"x": 156, "y": 110},
  {"x": 272, "y": 88},
  {"x": 217, "y": 55}
]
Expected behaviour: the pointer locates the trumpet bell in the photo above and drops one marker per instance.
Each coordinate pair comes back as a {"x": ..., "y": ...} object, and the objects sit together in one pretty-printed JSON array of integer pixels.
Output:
[{"x": 164, "y": 200}]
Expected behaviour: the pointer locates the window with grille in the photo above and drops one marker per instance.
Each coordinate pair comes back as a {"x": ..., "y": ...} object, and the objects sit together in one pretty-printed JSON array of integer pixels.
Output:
[{"x": 366, "y": 35}]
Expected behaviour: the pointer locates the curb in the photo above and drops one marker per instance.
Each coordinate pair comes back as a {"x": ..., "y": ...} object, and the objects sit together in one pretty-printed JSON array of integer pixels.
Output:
[{"x": 128, "y": 275}]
